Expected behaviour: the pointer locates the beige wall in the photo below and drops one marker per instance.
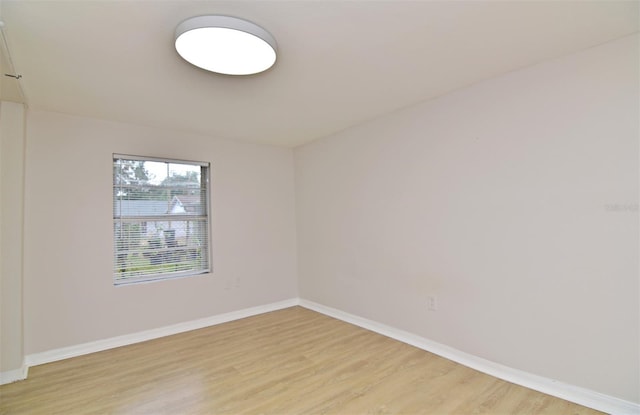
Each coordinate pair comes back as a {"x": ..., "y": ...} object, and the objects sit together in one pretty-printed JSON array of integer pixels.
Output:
[
  {"x": 514, "y": 202},
  {"x": 69, "y": 294},
  {"x": 11, "y": 215}
]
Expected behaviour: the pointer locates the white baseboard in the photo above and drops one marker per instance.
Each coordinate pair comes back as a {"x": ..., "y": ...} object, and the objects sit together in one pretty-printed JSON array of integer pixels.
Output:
[
  {"x": 10, "y": 376},
  {"x": 581, "y": 396},
  {"x": 105, "y": 344}
]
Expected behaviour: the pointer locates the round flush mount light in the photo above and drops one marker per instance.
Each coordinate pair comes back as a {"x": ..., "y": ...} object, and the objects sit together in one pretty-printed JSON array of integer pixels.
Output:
[{"x": 226, "y": 45}]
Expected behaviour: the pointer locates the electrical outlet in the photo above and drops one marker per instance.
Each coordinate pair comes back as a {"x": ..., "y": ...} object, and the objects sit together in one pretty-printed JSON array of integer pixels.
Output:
[{"x": 432, "y": 303}]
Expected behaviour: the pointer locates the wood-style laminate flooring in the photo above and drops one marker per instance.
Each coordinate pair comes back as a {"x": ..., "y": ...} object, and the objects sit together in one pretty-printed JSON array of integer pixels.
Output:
[{"x": 292, "y": 361}]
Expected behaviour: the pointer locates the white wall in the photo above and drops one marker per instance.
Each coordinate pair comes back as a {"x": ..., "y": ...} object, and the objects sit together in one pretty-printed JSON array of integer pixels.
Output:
[
  {"x": 69, "y": 294},
  {"x": 514, "y": 202},
  {"x": 11, "y": 215}
]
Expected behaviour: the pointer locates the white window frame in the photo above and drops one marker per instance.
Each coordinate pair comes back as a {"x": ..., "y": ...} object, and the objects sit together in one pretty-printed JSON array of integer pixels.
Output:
[{"x": 206, "y": 250}]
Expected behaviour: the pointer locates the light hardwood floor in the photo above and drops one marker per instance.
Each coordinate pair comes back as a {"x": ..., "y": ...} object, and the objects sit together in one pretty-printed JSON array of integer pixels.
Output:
[{"x": 292, "y": 361}]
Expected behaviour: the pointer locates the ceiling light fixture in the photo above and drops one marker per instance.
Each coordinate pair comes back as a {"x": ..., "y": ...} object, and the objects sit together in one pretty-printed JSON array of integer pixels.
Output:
[{"x": 225, "y": 45}]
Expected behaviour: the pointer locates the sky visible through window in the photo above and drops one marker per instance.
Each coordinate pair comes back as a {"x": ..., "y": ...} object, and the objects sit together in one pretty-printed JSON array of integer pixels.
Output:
[{"x": 159, "y": 171}]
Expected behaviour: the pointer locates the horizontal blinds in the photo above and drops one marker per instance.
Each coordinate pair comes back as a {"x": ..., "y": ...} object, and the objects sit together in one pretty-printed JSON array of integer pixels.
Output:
[
  {"x": 159, "y": 159},
  {"x": 160, "y": 219}
]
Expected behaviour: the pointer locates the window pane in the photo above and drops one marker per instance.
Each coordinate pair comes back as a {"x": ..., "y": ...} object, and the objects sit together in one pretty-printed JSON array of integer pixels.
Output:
[{"x": 160, "y": 219}]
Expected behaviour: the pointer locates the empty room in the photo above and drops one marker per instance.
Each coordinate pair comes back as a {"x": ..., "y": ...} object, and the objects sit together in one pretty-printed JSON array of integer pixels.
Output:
[{"x": 319, "y": 207}]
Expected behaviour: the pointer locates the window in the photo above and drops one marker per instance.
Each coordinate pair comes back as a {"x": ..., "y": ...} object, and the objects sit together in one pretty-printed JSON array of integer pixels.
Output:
[{"x": 160, "y": 218}]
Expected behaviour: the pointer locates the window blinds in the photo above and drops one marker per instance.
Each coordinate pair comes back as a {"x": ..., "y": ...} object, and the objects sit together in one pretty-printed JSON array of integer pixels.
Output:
[{"x": 160, "y": 218}]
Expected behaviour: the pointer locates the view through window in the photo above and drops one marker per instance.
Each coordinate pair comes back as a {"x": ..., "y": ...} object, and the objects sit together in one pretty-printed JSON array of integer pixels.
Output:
[{"x": 160, "y": 218}]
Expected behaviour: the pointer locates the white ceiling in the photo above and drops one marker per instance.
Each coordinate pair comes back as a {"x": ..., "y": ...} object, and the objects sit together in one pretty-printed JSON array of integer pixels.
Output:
[{"x": 340, "y": 62}]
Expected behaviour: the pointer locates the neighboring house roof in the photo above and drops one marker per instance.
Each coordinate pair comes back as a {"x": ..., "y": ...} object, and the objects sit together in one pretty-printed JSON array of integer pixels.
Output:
[
  {"x": 186, "y": 204},
  {"x": 140, "y": 208},
  {"x": 179, "y": 204}
]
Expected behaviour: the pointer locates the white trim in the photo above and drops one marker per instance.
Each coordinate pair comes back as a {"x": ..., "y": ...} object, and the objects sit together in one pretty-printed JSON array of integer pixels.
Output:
[
  {"x": 105, "y": 344},
  {"x": 10, "y": 376},
  {"x": 582, "y": 396}
]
